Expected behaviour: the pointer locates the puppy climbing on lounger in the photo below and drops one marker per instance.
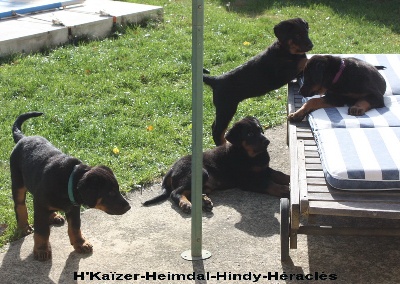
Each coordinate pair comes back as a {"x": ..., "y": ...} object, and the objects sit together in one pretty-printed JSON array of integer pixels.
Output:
[
  {"x": 271, "y": 69},
  {"x": 344, "y": 81}
]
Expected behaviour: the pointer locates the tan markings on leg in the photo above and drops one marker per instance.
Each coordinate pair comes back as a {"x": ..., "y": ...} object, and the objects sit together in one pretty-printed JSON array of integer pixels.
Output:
[
  {"x": 41, "y": 248},
  {"x": 56, "y": 219},
  {"x": 308, "y": 107},
  {"x": 359, "y": 108},
  {"x": 22, "y": 212},
  {"x": 184, "y": 202},
  {"x": 79, "y": 243}
]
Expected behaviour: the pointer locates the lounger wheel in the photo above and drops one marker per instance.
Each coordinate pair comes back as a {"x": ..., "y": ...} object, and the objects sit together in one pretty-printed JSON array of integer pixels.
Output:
[{"x": 284, "y": 210}]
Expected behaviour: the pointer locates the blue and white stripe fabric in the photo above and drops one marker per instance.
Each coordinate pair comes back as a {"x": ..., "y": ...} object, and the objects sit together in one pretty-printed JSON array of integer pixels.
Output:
[
  {"x": 360, "y": 158},
  {"x": 363, "y": 153},
  {"x": 388, "y": 116}
]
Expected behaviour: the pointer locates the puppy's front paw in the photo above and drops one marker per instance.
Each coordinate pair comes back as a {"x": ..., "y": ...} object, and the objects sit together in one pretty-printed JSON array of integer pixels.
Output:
[
  {"x": 284, "y": 191},
  {"x": 279, "y": 191},
  {"x": 42, "y": 254},
  {"x": 295, "y": 117},
  {"x": 83, "y": 247},
  {"x": 207, "y": 203}
]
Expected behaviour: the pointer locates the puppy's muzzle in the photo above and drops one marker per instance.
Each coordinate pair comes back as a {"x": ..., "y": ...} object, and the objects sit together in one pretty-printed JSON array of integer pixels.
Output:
[
  {"x": 307, "y": 46},
  {"x": 116, "y": 208}
]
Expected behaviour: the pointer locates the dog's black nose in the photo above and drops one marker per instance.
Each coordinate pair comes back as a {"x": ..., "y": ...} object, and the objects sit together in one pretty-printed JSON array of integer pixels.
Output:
[{"x": 266, "y": 142}]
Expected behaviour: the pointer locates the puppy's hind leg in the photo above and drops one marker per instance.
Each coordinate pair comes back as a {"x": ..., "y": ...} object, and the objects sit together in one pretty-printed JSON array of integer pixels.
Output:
[
  {"x": 56, "y": 219},
  {"x": 181, "y": 197},
  {"x": 21, "y": 212},
  {"x": 363, "y": 105},
  {"x": 224, "y": 112}
]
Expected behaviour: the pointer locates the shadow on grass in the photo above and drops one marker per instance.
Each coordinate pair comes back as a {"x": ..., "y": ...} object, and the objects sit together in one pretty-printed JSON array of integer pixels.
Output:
[{"x": 383, "y": 12}]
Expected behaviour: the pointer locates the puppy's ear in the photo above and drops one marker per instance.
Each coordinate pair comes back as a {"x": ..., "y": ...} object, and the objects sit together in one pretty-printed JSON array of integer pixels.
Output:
[
  {"x": 281, "y": 30},
  {"x": 305, "y": 23},
  {"x": 258, "y": 124},
  {"x": 107, "y": 169},
  {"x": 318, "y": 71},
  {"x": 234, "y": 135}
]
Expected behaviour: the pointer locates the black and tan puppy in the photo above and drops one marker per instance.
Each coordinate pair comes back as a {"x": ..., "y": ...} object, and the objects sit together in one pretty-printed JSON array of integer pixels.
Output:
[
  {"x": 242, "y": 163},
  {"x": 58, "y": 182},
  {"x": 344, "y": 81},
  {"x": 276, "y": 66}
]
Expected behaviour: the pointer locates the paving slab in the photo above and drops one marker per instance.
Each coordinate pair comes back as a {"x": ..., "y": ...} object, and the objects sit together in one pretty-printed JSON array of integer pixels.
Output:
[{"x": 93, "y": 19}]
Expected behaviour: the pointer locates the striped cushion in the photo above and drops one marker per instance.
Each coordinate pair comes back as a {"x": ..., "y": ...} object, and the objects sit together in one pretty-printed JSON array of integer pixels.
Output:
[
  {"x": 360, "y": 158},
  {"x": 363, "y": 153},
  {"x": 337, "y": 117}
]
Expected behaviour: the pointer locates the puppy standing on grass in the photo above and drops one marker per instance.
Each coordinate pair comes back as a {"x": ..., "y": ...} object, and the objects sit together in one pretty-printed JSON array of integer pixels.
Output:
[
  {"x": 58, "y": 182},
  {"x": 242, "y": 163},
  {"x": 348, "y": 81},
  {"x": 267, "y": 71}
]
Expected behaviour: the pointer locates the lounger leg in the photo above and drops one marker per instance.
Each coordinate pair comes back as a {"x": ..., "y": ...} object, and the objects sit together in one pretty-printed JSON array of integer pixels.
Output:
[
  {"x": 293, "y": 239},
  {"x": 285, "y": 228}
]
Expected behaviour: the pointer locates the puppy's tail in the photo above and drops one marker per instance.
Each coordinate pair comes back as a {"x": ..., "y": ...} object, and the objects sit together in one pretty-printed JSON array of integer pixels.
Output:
[
  {"x": 165, "y": 191},
  {"x": 16, "y": 129},
  {"x": 210, "y": 80}
]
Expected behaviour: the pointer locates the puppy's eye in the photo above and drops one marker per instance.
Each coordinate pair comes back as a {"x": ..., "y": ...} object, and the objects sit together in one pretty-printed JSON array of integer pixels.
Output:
[
  {"x": 250, "y": 134},
  {"x": 111, "y": 193}
]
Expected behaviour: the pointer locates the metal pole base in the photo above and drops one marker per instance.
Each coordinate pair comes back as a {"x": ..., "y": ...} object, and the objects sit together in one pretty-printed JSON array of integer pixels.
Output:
[{"x": 188, "y": 255}]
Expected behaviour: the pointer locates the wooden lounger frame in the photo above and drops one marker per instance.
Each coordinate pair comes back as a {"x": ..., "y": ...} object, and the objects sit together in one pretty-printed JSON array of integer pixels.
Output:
[{"x": 310, "y": 196}]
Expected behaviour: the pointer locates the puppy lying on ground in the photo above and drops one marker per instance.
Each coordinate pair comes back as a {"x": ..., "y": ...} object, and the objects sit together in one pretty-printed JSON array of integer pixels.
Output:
[
  {"x": 242, "y": 163},
  {"x": 269, "y": 70},
  {"x": 344, "y": 81},
  {"x": 58, "y": 183}
]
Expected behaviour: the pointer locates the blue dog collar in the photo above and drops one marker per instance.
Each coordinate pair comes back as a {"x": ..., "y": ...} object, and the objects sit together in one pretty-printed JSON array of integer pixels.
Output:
[{"x": 70, "y": 187}]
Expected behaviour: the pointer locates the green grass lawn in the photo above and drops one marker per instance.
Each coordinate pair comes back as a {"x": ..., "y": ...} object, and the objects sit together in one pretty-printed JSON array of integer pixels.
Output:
[{"x": 133, "y": 91}]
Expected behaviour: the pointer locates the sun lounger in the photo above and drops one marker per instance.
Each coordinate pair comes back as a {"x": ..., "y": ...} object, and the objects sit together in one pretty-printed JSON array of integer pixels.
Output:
[{"x": 343, "y": 165}]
